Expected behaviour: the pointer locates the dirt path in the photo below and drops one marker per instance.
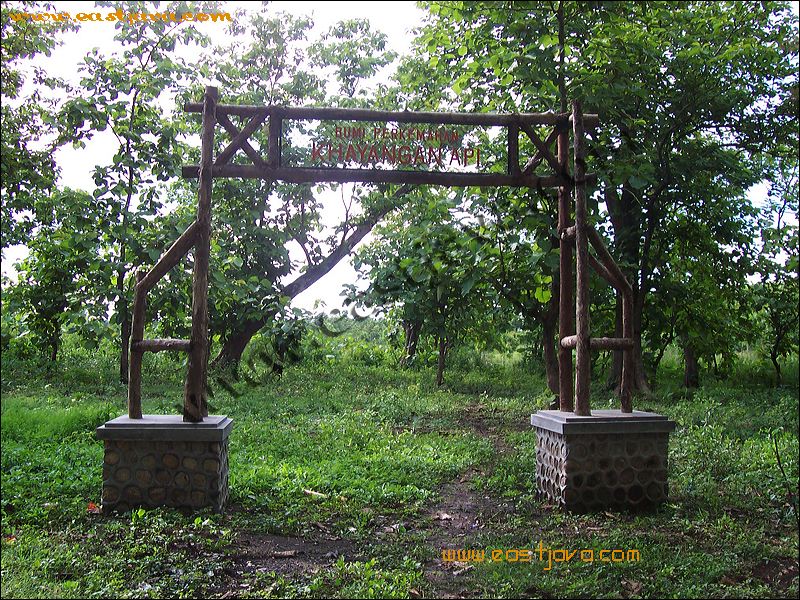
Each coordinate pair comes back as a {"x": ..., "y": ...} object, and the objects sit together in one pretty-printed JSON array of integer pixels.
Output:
[
  {"x": 462, "y": 513},
  {"x": 454, "y": 522}
]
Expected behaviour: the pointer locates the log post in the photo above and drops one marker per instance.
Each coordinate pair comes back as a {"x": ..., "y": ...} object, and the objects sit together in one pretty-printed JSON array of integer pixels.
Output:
[
  {"x": 513, "y": 150},
  {"x": 194, "y": 401},
  {"x": 135, "y": 362},
  {"x": 582, "y": 358},
  {"x": 566, "y": 325},
  {"x": 627, "y": 356}
]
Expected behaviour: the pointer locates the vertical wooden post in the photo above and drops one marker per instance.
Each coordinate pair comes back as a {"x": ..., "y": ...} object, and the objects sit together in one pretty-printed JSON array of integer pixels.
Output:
[
  {"x": 274, "y": 138},
  {"x": 194, "y": 401},
  {"x": 513, "y": 150},
  {"x": 582, "y": 358},
  {"x": 566, "y": 324},
  {"x": 627, "y": 356},
  {"x": 135, "y": 362}
]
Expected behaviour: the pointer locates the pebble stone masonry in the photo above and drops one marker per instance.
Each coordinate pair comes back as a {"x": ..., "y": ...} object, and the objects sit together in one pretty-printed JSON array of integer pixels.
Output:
[
  {"x": 610, "y": 459},
  {"x": 159, "y": 460}
]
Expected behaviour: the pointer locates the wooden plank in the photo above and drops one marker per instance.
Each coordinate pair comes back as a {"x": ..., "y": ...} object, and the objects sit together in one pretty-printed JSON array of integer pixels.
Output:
[
  {"x": 135, "y": 362},
  {"x": 308, "y": 175},
  {"x": 582, "y": 348},
  {"x": 568, "y": 234},
  {"x": 232, "y": 130},
  {"x": 543, "y": 149},
  {"x": 170, "y": 258},
  {"x": 566, "y": 322},
  {"x": 604, "y": 273},
  {"x": 358, "y": 114},
  {"x": 239, "y": 139},
  {"x": 160, "y": 345},
  {"x": 194, "y": 400},
  {"x": 626, "y": 404}
]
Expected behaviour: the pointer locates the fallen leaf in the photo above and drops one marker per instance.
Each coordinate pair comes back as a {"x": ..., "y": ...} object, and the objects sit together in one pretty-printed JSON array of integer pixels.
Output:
[
  {"x": 284, "y": 554},
  {"x": 10, "y": 539},
  {"x": 414, "y": 593},
  {"x": 443, "y": 517},
  {"x": 315, "y": 494},
  {"x": 464, "y": 570},
  {"x": 93, "y": 508},
  {"x": 634, "y": 588}
]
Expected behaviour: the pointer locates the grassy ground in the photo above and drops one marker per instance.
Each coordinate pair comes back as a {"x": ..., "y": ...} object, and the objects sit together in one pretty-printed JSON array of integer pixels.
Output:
[{"x": 400, "y": 471}]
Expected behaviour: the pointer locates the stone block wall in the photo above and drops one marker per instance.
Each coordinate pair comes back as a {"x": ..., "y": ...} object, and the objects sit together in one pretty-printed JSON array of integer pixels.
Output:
[
  {"x": 177, "y": 474},
  {"x": 585, "y": 471},
  {"x": 160, "y": 460},
  {"x": 608, "y": 460}
]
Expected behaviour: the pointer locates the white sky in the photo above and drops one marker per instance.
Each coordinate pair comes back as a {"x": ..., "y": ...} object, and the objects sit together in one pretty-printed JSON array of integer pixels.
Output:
[{"x": 395, "y": 19}]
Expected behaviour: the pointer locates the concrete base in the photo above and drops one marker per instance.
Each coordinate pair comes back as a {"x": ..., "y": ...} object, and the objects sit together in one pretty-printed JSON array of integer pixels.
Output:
[
  {"x": 159, "y": 460},
  {"x": 608, "y": 460}
]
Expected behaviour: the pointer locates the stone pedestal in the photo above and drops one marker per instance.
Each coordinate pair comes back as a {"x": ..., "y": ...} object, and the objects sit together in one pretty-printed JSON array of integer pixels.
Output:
[
  {"x": 608, "y": 460},
  {"x": 159, "y": 460}
]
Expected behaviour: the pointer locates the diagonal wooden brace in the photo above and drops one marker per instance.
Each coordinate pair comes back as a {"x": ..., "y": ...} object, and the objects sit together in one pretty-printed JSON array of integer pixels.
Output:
[
  {"x": 248, "y": 149},
  {"x": 239, "y": 139}
]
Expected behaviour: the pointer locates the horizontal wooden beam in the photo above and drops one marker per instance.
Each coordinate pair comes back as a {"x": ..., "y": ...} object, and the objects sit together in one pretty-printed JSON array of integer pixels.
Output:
[
  {"x": 599, "y": 343},
  {"x": 170, "y": 258},
  {"x": 309, "y": 175},
  {"x": 360, "y": 114},
  {"x": 160, "y": 345}
]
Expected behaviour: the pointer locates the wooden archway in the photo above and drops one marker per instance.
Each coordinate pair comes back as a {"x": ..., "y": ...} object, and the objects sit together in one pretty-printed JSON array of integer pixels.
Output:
[{"x": 574, "y": 332}]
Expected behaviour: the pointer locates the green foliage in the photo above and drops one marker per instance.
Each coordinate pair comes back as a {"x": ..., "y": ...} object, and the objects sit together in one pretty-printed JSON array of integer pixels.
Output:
[
  {"x": 56, "y": 286},
  {"x": 378, "y": 443},
  {"x": 28, "y": 171}
]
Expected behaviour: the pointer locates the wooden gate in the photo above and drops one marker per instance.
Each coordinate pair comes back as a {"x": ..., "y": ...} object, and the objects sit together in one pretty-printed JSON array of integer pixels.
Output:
[{"x": 573, "y": 332}]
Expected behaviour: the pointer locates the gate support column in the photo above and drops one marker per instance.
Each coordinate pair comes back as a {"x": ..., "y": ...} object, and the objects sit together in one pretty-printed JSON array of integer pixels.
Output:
[{"x": 194, "y": 402}]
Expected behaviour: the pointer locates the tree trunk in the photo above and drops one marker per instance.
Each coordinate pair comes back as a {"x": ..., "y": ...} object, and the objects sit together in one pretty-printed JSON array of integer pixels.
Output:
[
  {"x": 549, "y": 329},
  {"x": 125, "y": 327},
  {"x": 774, "y": 357},
  {"x": 412, "y": 330},
  {"x": 232, "y": 348},
  {"x": 691, "y": 367},
  {"x": 625, "y": 210},
  {"x": 54, "y": 343},
  {"x": 441, "y": 361}
]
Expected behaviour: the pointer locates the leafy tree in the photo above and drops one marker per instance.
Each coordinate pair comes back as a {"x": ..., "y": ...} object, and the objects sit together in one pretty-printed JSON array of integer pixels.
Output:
[
  {"x": 777, "y": 293},
  {"x": 54, "y": 286},
  {"x": 265, "y": 231},
  {"x": 120, "y": 92},
  {"x": 422, "y": 261},
  {"x": 672, "y": 83},
  {"x": 28, "y": 172}
]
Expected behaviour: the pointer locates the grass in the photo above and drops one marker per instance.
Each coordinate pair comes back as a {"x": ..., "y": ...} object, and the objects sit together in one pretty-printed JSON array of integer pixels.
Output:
[{"x": 379, "y": 444}]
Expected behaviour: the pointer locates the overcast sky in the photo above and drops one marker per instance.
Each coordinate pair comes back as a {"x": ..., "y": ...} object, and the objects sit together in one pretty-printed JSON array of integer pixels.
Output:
[{"x": 395, "y": 19}]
